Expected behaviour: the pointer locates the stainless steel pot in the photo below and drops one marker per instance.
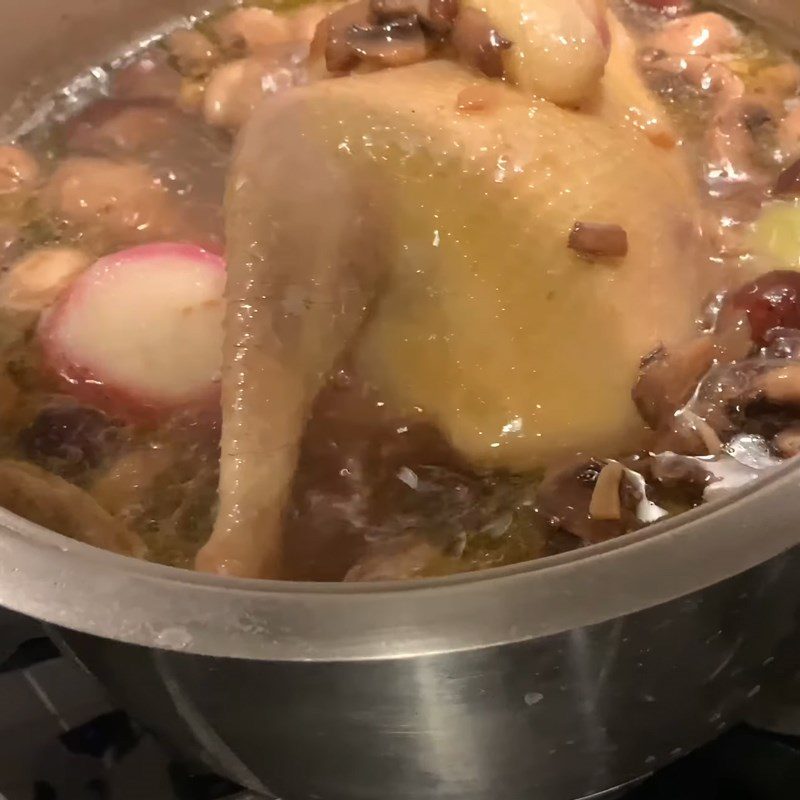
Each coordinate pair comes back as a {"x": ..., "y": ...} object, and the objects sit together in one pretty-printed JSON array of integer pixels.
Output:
[{"x": 557, "y": 680}]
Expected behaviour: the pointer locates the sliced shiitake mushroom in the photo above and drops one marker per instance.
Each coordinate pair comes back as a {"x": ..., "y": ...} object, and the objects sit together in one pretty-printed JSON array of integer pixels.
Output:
[
  {"x": 436, "y": 16},
  {"x": 573, "y": 498},
  {"x": 668, "y": 378},
  {"x": 394, "y": 44}
]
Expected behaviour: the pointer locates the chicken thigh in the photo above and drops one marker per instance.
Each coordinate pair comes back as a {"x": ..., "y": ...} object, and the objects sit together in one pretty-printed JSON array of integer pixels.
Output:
[{"x": 383, "y": 217}]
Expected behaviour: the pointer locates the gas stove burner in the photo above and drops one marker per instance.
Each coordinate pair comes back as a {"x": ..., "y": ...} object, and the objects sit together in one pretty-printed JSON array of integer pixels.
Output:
[{"x": 63, "y": 739}]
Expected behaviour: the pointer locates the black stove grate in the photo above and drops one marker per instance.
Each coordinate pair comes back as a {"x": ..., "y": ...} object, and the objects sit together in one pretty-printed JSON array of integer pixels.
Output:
[{"x": 64, "y": 740}]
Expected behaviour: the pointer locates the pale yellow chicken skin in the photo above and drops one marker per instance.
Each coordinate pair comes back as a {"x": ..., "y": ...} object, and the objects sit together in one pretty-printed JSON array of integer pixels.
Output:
[{"x": 369, "y": 215}]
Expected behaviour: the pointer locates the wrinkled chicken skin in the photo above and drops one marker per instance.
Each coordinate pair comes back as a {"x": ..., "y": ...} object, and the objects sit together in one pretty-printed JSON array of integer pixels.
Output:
[{"x": 366, "y": 215}]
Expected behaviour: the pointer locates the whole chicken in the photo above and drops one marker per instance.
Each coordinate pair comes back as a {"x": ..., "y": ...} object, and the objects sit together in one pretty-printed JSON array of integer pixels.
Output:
[{"x": 422, "y": 222}]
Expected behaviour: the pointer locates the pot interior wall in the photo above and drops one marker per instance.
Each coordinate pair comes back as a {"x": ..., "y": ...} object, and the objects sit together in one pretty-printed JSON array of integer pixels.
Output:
[{"x": 51, "y": 41}]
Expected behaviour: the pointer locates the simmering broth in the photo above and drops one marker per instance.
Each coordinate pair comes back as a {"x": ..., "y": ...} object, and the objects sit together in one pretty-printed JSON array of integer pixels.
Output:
[{"x": 113, "y": 243}]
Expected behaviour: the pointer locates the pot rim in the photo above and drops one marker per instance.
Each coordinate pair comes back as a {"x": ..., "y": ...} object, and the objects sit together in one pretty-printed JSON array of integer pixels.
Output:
[
  {"x": 74, "y": 585},
  {"x": 77, "y": 586}
]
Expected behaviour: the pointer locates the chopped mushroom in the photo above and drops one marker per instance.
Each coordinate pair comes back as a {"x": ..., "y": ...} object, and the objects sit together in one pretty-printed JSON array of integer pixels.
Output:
[
  {"x": 668, "y": 378},
  {"x": 385, "y": 11},
  {"x": 330, "y": 38},
  {"x": 394, "y": 44},
  {"x": 598, "y": 239},
  {"x": 437, "y": 16},
  {"x": 605, "y": 502},
  {"x": 680, "y": 473},
  {"x": 746, "y": 458},
  {"x": 380, "y": 34},
  {"x": 565, "y": 496},
  {"x": 479, "y": 43}
]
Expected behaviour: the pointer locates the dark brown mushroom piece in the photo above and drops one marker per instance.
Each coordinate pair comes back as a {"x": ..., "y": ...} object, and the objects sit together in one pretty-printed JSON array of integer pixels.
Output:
[
  {"x": 395, "y": 44},
  {"x": 599, "y": 240},
  {"x": 788, "y": 182},
  {"x": 668, "y": 378},
  {"x": 383, "y": 11},
  {"x": 566, "y": 498},
  {"x": 435, "y": 16},
  {"x": 330, "y": 37},
  {"x": 479, "y": 43},
  {"x": 682, "y": 478}
]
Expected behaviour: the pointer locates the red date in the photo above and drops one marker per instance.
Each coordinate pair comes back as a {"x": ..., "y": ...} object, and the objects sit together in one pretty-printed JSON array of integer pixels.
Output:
[{"x": 770, "y": 301}]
